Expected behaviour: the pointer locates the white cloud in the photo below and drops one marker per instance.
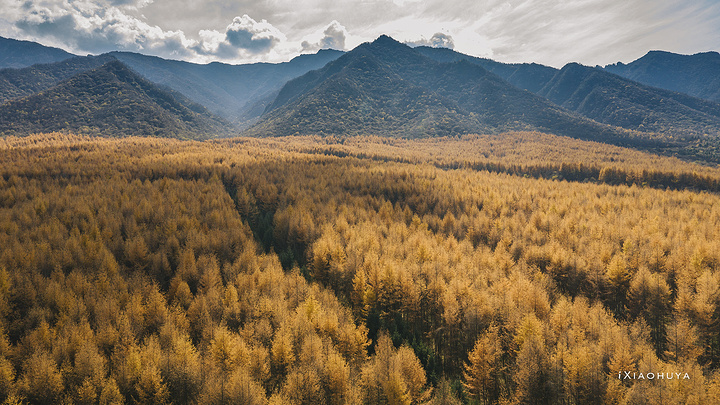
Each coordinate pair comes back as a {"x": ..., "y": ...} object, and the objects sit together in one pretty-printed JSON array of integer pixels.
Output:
[
  {"x": 438, "y": 40},
  {"x": 130, "y": 3},
  {"x": 255, "y": 37},
  {"x": 556, "y": 32},
  {"x": 85, "y": 27},
  {"x": 552, "y": 32},
  {"x": 333, "y": 37},
  {"x": 243, "y": 38}
]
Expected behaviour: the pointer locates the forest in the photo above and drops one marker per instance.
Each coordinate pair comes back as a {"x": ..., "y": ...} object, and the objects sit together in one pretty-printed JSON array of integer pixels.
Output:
[{"x": 519, "y": 268}]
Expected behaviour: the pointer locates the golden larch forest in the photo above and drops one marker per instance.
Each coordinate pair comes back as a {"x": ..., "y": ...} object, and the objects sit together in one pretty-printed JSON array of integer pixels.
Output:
[{"x": 519, "y": 268}]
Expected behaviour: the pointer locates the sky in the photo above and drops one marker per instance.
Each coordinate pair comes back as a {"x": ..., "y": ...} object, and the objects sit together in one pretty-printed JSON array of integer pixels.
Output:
[{"x": 550, "y": 32}]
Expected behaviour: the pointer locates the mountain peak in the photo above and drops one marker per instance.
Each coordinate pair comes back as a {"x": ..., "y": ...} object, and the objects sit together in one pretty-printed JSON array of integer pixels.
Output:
[
  {"x": 697, "y": 75},
  {"x": 573, "y": 66},
  {"x": 327, "y": 53},
  {"x": 386, "y": 42},
  {"x": 116, "y": 66},
  {"x": 110, "y": 100},
  {"x": 656, "y": 54},
  {"x": 385, "y": 39},
  {"x": 391, "y": 52}
]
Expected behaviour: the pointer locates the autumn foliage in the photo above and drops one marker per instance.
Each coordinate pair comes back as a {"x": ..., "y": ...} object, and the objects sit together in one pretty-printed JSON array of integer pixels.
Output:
[{"x": 357, "y": 270}]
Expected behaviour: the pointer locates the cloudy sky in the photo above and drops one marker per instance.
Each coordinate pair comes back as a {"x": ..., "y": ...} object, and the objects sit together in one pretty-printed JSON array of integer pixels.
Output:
[{"x": 551, "y": 32}]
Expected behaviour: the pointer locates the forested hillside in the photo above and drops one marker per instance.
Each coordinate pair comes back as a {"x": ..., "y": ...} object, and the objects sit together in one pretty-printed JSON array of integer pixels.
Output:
[
  {"x": 19, "y": 54},
  {"x": 688, "y": 124},
  {"x": 528, "y": 76},
  {"x": 18, "y": 83},
  {"x": 613, "y": 100},
  {"x": 110, "y": 100},
  {"x": 380, "y": 88},
  {"x": 355, "y": 270},
  {"x": 387, "y": 88},
  {"x": 697, "y": 75},
  {"x": 238, "y": 93}
]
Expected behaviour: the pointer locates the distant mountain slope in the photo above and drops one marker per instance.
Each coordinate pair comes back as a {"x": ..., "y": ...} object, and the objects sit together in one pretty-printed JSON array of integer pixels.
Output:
[
  {"x": 697, "y": 75},
  {"x": 528, "y": 76},
  {"x": 385, "y": 52},
  {"x": 16, "y": 83},
  {"x": 110, "y": 100},
  {"x": 604, "y": 97},
  {"x": 236, "y": 92},
  {"x": 365, "y": 97},
  {"x": 504, "y": 107},
  {"x": 388, "y": 82},
  {"x": 617, "y": 101},
  {"x": 19, "y": 54}
]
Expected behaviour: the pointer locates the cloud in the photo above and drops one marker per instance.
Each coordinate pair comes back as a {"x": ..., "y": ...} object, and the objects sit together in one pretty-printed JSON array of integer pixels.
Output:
[
  {"x": 552, "y": 32},
  {"x": 98, "y": 27},
  {"x": 333, "y": 37},
  {"x": 556, "y": 32},
  {"x": 438, "y": 40},
  {"x": 244, "y": 33},
  {"x": 243, "y": 38},
  {"x": 87, "y": 27},
  {"x": 130, "y": 3}
]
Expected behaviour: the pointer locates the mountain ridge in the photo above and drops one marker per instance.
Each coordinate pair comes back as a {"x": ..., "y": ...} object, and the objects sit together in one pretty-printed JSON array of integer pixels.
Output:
[
  {"x": 381, "y": 87},
  {"x": 615, "y": 100},
  {"x": 111, "y": 100},
  {"x": 527, "y": 76},
  {"x": 697, "y": 75},
  {"x": 17, "y": 83},
  {"x": 359, "y": 94},
  {"x": 18, "y": 54},
  {"x": 229, "y": 91},
  {"x": 443, "y": 81},
  {"x": 633, "y": 105}
]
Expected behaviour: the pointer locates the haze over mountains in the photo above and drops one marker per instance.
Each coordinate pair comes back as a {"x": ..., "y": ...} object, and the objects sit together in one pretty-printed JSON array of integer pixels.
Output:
[
  {"x": 381, "y": 88},
  {"x": 238, "y": 93}
]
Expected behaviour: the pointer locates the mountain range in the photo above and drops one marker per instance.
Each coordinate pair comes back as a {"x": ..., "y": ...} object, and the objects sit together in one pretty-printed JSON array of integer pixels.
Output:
[
  {"x": 18, "y": 83},
  {"x": 388, "y": 88},
  {"x": 661, "y": 101},
  {"x": 605, "y": 97},
  {"x": 697, "y": 75},
  {"x": 20, "y": 54},
  {"x": 111, "y": 100},
  {"x": 238, "y": 93}
]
